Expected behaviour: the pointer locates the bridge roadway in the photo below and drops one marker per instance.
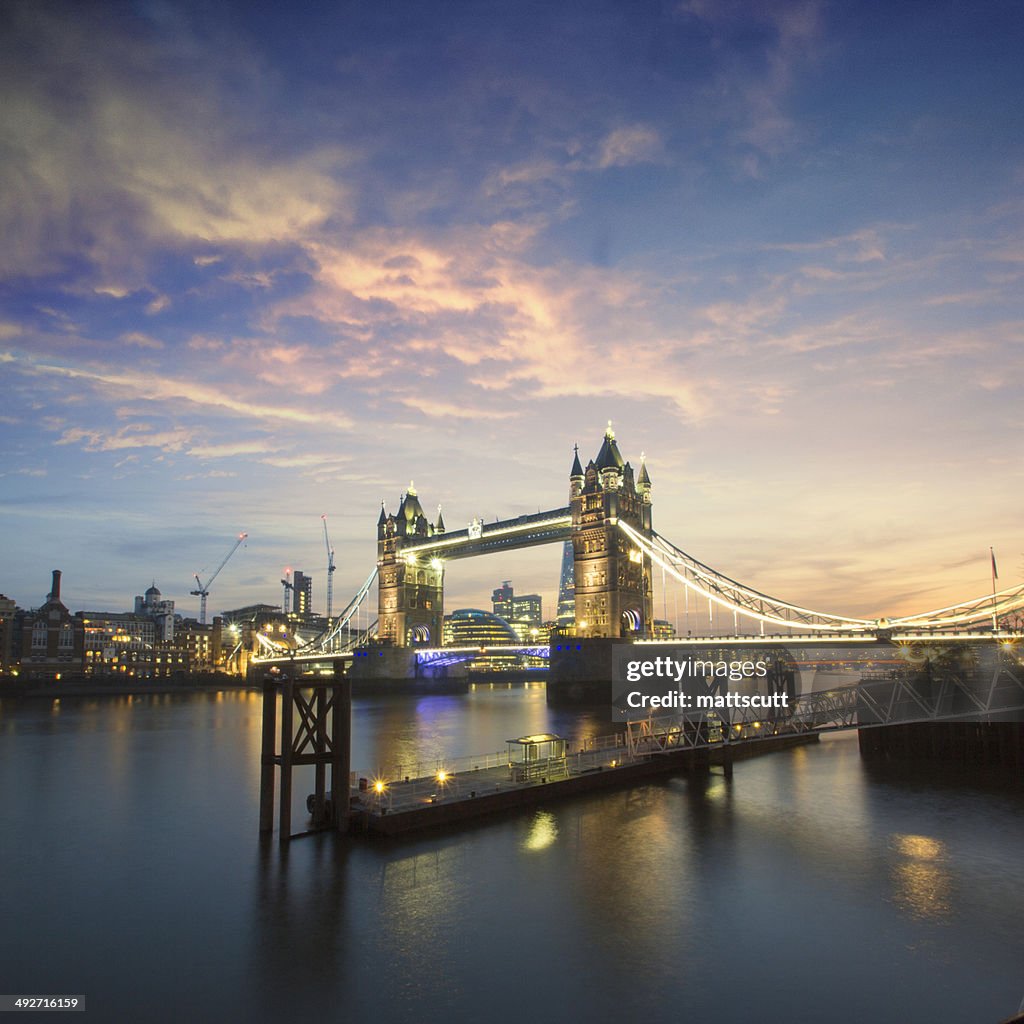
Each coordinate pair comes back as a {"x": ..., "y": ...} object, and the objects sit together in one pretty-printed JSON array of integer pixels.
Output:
[{"x": 441, "y": 655}]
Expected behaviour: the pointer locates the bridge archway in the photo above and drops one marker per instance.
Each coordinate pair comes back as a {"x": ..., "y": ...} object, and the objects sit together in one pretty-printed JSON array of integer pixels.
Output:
[
  {"x": 419, "y": 634},
  {"x": 632, "y": 620}
]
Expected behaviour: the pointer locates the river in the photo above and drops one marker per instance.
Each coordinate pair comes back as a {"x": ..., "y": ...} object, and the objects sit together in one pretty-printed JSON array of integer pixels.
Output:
[{"x": 812, "y": 887}]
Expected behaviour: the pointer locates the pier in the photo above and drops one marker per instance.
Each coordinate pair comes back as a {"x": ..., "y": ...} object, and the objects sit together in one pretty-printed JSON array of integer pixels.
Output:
[{"x": 491, "y": 784}]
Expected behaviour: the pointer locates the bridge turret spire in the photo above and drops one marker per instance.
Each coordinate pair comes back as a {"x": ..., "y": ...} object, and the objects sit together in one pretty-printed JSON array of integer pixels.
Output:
[
  {"x": 643, "y": 480},
  {"x": 577, "y": 469},
  {"x": 575, "y": 474}
]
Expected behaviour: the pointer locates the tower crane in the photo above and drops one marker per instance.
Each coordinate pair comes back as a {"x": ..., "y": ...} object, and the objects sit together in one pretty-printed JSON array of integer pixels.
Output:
[
  {"x": 330, "y": 567},
  {"x": 204, "y": 588},
  {"x": 288, "y": 588}
]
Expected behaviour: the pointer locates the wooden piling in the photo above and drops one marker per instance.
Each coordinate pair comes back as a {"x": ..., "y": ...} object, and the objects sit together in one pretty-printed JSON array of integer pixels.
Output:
[
  {"x": 268, "y": 759},
  {"x": 315, "y": 730},
  {"x": 287, "y": 747},
  {"x": 341, "y": 747}
]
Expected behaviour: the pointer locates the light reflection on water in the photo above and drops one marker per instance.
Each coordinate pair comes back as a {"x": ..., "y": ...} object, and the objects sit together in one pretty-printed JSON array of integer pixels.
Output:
[{"x": 810, "y": 887}]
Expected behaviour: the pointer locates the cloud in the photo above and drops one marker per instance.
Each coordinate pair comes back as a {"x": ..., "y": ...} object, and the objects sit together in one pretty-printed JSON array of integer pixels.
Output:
[
  {"x": 129, "y": 436},
  {"x": 141, "y": 340},
  {"x": 213, "y": 474},
  {"x": 630, "y": 144},
  {"x": 155, "y": 388},
  {"x": 143, "y": 161},
  {"x": 759, "y": 69},
  {"x": 300, "y": 460},
  {"x": 114, "y": 291},
  {"x": 450, "y": 410},
  {"x": 232, "y": 449},
  {"x": 861, "y": 246}
]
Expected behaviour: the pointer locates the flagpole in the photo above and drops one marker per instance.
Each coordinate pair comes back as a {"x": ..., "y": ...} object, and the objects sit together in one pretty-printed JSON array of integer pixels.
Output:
[{"x": 995, "y": 576}]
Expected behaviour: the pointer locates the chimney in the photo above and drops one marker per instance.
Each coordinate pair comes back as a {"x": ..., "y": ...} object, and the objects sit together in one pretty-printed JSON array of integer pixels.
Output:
[{"x": 55, "y": 589}]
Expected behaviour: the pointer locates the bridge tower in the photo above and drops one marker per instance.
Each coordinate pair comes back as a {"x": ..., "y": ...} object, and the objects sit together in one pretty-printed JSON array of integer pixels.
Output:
[
  {"x": 613, "y": 588},
  {"x": 410, "y": 590}
]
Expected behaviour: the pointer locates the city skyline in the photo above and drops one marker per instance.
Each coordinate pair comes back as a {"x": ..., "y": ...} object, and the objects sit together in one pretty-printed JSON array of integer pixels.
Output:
[{"x": 261, "y": 269}]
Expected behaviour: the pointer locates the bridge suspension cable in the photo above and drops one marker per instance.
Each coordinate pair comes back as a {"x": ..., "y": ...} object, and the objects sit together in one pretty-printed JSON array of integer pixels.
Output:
[
  {"x": 728, "y": 593},
  {"x": 330, "y": 641},
  {"x": 990, "y": 606},
  {"x": 721, "y": 590}
]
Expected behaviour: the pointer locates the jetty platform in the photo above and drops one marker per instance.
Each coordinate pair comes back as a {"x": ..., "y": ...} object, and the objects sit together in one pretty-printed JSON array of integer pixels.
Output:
[{"x": 473, "y": 787}]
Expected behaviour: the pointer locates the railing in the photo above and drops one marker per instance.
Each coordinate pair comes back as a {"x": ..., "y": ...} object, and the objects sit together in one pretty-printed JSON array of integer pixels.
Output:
[
  {"x": 490, "y": 773},
  {"x": 449, "y": 765},
  {"x": 544, "y": 768}
]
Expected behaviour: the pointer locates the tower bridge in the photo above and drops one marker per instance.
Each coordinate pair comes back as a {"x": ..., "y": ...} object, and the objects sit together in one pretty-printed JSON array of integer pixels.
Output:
[
  {"x": 615, "y": 552},
  {"x": 612, "y": 574}
]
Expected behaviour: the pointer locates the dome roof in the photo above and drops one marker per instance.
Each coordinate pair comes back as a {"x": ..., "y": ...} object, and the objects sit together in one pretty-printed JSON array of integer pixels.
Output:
[
  {"x": 474, "y": 625},
  {"x": 410, "y": 508},
  {"x": 152, "y": 591}
]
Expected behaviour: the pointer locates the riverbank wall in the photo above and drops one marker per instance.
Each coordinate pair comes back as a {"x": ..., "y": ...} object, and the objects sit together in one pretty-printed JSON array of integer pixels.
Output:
[{"x": 993, "y": 744}]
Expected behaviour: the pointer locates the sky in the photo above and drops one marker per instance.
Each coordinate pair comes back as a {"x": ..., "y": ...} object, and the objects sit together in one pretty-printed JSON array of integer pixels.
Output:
[{"x": 261, "y": 265}]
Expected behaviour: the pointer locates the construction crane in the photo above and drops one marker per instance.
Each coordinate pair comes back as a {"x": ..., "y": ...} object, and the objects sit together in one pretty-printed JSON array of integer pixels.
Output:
[
  {"x": 204, "y": 588},
  {"x": 288, "y": 588},
  {"x": 330, "y": 567}
]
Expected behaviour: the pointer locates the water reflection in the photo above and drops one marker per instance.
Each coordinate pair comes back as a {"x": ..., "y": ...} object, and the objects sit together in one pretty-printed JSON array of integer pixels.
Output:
[
  {"x": 809, "y": 880},
  {"x": 922, "y": 884},
  {"x": 390, "y": 741},
  {"x": 543, "y": 831}
]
